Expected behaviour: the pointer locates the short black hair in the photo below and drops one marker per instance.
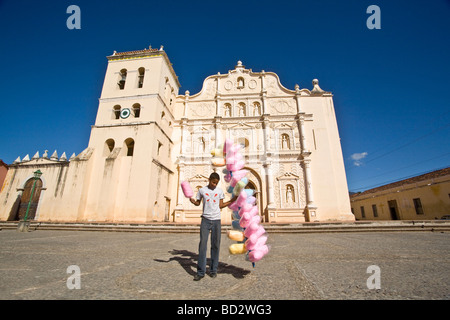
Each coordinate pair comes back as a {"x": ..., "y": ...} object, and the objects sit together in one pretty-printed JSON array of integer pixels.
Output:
[{"x": 214, "y": 175}]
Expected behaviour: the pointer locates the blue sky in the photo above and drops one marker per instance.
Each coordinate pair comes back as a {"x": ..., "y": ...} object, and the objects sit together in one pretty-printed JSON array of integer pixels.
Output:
[{"x": 390, "y": 85}]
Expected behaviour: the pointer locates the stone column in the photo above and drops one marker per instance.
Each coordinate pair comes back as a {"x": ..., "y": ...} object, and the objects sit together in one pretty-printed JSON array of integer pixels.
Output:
[
  {"x": 180, "y": 194},
  {"x": 306, "y": 161},
  {"x": 183, "y": 125},
  {"x": 308, "y": 183},
  {"x": 217, "y": 133},
  {"x": 186, "y": 103},
  {"x": 271, "y": 207},
  {"x": 219, "y": 113},
  {"x": 266, "y": 135},
  {"x": 263, "y": 93}
]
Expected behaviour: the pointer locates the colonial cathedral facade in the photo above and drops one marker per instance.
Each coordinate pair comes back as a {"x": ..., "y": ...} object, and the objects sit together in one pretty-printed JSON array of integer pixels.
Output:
[{"x": 147, "y": 139}]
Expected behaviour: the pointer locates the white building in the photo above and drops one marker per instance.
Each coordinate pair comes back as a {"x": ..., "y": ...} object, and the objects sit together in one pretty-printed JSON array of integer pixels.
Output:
[{"x": 147, "y": 138}]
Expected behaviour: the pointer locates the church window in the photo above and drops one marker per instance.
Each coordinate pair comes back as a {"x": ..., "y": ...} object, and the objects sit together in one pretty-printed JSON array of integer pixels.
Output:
[
  {"x": 285, "y": 142},
  {"x": 129, "y": 143},
  {"x": 240, "y": 83},
  {"x": 141, "y": 77},
  {"x": 122, "y": 79},
  {"x": 109, "y": 147},
  {"x": 116, "y": 112},
  {"x": 137, "y": 110}
]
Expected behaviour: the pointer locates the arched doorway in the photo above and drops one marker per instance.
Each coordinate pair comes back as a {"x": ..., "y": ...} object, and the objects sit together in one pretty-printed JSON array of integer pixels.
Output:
[
  {"x": 25, "y": 199},
  {"x": 254, "y": 183}
]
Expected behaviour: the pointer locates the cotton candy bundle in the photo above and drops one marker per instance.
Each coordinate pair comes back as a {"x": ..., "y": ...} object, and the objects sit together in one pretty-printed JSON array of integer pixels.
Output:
[
  {"x": 227, "y": 176},
  {"x": 233, "y": 206},
  {"x": 218, "y": 162},
  {"x": 237, "y": 176},
  {"x": 218, "y": 152},
  {"x": 240, "y": 186},
  {"x": 242, "y": 199},
  {"x": 255, "y": 242},
  {"x": 187, "y": 190},
  {"x": 235, "y": 215},
  {"x": 258, "y": 232},
  {"x": 245, "y": 217},
  {"x": 258, "y": 253},
  {"x": 235, "y": 235},
  {"x": 237, "y": 248}
]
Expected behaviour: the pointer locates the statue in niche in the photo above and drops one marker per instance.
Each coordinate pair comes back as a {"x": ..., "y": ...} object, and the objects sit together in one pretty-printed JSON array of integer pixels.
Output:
[
  {"x": 241, "y": 108},
  {"x": 240, "y": 83},
  {"x": 285, "y": 141},
  {"x": 256, "y": 109},
  {"x": 227, "y": 111},
  {"x": 201, "y": 145},
  {"x": 290, "y": 194}
]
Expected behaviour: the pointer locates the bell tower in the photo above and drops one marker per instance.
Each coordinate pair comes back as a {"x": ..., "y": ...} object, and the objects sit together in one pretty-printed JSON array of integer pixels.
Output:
[{"x": 131, "y": 170}]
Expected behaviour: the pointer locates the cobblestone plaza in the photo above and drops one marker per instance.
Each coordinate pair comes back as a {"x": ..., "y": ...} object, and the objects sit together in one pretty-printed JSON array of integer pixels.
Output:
[{"x": 133, "y": 265}]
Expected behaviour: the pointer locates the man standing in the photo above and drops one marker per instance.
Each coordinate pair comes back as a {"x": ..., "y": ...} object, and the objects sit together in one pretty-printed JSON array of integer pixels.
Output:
[{"x": 212, "y": 197}]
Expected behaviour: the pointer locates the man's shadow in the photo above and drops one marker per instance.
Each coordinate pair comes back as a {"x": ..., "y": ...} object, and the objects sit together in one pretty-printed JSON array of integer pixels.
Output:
[{"x": 188, "y": 261}]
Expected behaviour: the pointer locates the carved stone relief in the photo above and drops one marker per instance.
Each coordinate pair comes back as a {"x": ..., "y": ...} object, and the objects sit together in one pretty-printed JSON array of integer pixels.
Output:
[
  {"x": 202, "y": 109},
  {"x": 281, "y": 107},
  {"x": 289, "y": 191}
]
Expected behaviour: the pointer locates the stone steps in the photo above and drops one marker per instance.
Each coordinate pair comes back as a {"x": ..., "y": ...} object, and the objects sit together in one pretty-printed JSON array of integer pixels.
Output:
[{"x": 375, "y": 226}]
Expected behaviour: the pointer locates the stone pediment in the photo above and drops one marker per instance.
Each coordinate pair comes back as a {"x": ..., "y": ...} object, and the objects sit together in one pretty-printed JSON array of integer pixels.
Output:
[
  {"x": 241, "y": 125},
  {"x": 242, "y": 81},
  {"x": 198, "y": 178},
  {"x": 288, "y": 176},
  {"x": 286, "y": 126}
]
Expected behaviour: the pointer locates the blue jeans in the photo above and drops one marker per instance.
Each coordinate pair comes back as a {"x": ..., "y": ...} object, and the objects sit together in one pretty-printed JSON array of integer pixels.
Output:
[{"x": 215, "y": 227}]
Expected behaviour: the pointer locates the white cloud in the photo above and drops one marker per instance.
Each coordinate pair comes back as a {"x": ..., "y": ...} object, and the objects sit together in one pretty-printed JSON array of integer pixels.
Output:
[{"x": 357, "y": 157}]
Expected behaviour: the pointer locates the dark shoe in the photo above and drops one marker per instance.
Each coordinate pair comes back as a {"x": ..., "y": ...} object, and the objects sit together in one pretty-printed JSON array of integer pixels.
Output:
[
  {"x": 213, "y": 275},
  {"x": 198, "y": 277}
]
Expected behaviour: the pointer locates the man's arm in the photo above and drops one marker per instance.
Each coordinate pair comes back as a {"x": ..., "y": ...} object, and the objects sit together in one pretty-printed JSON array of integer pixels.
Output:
[
  {"x": 195, "y": 202},
  {"x": 226, "y": 204}
]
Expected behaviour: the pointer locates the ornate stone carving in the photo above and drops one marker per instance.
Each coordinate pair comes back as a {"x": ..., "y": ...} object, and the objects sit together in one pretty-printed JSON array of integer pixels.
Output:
[
  {"x": 202, "y": 110},
  {"x": 290, "y": 191},
  {"x": 228, "y": 85},
  {"x": 282, "y": 107}
]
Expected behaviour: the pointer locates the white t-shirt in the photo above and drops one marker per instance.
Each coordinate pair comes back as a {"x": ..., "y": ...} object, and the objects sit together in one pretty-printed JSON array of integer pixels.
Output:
[{"x": 211, "y": 200}]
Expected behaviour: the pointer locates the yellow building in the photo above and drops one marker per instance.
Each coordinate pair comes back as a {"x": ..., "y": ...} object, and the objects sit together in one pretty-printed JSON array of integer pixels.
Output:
[
  {"x": 423, "y": 197},
  {"x": 147, "y": 139}
]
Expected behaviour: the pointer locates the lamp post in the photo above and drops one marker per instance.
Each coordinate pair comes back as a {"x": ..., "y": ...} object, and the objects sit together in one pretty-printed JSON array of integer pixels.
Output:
[{"x": 24, "y": 224}]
